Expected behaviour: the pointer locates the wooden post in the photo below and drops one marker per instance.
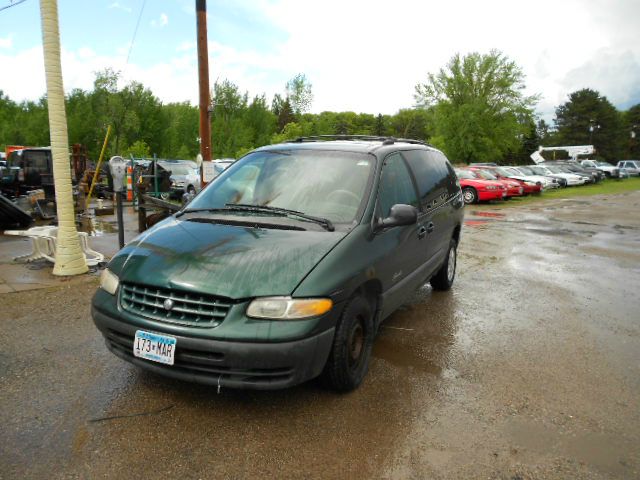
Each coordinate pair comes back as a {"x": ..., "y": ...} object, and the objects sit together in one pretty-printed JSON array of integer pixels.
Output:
[
  {"x": 142, "y": 210},
  {"x": 203, "y": 76}
]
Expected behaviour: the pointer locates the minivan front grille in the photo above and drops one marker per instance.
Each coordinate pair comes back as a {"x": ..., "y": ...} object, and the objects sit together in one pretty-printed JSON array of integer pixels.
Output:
[{"x": 173, "y": 306}]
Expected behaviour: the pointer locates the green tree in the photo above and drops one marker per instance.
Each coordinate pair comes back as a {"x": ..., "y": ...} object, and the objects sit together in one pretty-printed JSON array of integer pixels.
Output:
[
  {"x": 414, "y": 123},
  {"x": 290, "y": 131},
  {"x": 480, "y": 109},
  {"x": 631, "y": 130},
  {"x": 229, "y": 131},
  {"x": 588, "y": 118},
  {"x": 180, "y": 138},
  {"x": 300, "y": 94},
  {"x": 138, "y": 149}
]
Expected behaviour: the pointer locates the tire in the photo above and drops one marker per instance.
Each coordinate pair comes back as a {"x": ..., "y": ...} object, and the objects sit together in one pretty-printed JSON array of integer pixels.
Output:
[
  {"x": 348, "y": 361},
  {"x": 469, "y": 195},
  {"x": 443, "y": 279}
]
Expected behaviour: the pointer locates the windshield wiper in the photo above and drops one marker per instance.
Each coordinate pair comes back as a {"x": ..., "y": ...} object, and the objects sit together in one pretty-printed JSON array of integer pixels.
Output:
[
  {"x": 325, "y": 222},
  {"x": 192, "y": 210}
]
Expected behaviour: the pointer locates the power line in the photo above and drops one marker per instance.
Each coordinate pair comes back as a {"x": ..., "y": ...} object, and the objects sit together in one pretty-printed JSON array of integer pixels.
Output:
[
  {"x": 12, "y": 4},
  {"x": 135, "y": 32}
]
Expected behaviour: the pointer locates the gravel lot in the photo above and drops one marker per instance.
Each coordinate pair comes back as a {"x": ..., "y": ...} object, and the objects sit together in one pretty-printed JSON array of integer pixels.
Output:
[{"x": 528, "y": 368}]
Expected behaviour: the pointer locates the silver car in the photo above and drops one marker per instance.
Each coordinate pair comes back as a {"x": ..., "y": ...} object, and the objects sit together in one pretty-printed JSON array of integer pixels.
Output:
[
  {"x": 185, "y": 176},
  {"x": 632, "y": 167}
]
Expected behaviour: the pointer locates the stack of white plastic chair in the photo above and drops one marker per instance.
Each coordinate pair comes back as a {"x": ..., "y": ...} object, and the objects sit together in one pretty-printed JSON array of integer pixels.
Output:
[{"x": 43, "y": 241}]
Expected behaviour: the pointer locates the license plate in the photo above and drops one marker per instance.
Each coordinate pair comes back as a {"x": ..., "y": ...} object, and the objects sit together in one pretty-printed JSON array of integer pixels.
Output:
[{"x": 154, "y": 347}]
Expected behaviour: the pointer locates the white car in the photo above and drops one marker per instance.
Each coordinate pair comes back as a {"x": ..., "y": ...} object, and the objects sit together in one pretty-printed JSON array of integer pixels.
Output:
[
  {"x": 547, "y": 182},
  {"x": 631, "y": 166},
  {"x": 608, "y": 169},
  {"x": 571, "y": 179}
]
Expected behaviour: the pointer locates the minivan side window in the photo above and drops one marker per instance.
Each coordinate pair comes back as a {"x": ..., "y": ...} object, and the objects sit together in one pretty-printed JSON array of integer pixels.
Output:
[
  {"x": 396, "y": 185},
  {"x": 431, "y": 174}
]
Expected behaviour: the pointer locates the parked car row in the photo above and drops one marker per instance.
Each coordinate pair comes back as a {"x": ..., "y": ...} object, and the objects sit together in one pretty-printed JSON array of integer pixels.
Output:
[{"x": 487, "y": 181}]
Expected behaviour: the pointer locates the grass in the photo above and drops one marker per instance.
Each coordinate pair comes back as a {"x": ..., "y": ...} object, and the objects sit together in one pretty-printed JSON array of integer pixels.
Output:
[{"x": 606, "y": 187}]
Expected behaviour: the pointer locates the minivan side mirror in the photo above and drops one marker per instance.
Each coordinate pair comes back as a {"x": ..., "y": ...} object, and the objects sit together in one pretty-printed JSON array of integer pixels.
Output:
[{"x": 399, "y": 215}]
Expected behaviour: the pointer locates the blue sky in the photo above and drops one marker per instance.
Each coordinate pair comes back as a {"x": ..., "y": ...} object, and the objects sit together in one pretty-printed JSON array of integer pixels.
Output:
[{"x": 364, "y": 56}]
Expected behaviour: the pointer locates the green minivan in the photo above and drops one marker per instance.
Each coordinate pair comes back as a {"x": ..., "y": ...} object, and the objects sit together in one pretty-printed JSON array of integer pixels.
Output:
[{"x": 283, "y": 267}]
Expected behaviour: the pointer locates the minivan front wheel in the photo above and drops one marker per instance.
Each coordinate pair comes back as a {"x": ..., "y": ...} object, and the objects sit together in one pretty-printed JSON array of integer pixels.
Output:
[
  {"x": 348, "y": 361},
  {"x": 443, "y": 279}
]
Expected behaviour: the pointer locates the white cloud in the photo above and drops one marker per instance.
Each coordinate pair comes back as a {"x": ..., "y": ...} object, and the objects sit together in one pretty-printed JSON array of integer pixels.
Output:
[
  {"x": 161, "y": 22},
  {"x": 370, "y": 57},
  {"x": 117, "y": 6},
  {"x": 6, "y": 42},
  {"x": 186, "y": 47}
]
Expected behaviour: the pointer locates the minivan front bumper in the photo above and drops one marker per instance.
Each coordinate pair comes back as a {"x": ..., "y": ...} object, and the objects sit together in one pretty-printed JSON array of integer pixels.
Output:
[{"x": 261, "y": 366}]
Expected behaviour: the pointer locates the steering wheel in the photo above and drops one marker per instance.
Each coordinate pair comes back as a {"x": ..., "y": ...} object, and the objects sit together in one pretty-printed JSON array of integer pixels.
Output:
[{"x": 351, "y": 197}]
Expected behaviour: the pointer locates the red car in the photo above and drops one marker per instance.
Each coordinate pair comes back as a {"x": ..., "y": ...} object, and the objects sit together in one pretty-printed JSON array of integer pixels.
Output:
[
  {"x": 529, "y": 186},
  {"x": 515, "y": 187},
  {"x": 476, "y": 189}
]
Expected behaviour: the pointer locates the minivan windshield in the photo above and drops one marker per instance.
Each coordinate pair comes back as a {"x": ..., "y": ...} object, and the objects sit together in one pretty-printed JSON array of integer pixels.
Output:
[{"x": 326, "y": 184}]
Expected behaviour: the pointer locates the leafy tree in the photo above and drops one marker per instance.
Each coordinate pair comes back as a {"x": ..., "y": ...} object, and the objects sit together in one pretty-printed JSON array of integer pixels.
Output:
[
  {"x": 631, "y": 130},
  {"x": 588, "y": 118},
  {"x": 229, "y": 130},
  {"x": 291, "y": 131},
  {"x": 380, "y": 127},
  {"x": 139, "y": 149},
  {"x": 299, "y": 94},
  {"x": 412, "y": 123},
  {"x": 479, "y": 106}
]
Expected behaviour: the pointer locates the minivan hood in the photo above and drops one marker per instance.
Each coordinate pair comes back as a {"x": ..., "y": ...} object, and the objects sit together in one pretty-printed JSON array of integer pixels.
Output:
[{"x": 229, "y": 261}]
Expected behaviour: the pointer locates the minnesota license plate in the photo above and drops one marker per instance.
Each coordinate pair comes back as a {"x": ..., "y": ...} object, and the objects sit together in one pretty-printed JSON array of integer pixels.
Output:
[{"x": 154, "y": 347}]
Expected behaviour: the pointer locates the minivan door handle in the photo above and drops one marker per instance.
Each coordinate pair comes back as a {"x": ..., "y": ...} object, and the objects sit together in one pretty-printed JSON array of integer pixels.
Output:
[
  {"x": 422, "y": 232},
  {"x": 430, "y": 227}
]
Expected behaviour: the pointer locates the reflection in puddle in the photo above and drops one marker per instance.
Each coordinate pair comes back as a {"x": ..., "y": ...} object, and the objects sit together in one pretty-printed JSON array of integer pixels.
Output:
[
  {"x": 480, "y": 213},
  {"x": 386, "y": 347},
  {"x": 96, "y": 228},
  {"x": 475, "y": 223}
]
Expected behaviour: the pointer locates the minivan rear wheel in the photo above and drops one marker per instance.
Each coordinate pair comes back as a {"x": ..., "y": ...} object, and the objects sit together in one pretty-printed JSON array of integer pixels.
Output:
[
  {"x": 443, "y": 280},
  {"x": 348, "y": 361}
]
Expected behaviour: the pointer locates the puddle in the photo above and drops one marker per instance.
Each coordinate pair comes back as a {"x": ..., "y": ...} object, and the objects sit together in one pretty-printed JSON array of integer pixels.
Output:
[
  {"x": 475, "y": 223},
  {"x": 386, "y": 348},
  {"x": 96, "y": 228},
  {"x": 480, "y": 213},
  {"x": 607, "y": 453}
]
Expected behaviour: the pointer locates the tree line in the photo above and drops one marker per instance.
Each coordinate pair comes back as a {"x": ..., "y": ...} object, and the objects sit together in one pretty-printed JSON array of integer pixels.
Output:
[{"x": 474, "y": 109}]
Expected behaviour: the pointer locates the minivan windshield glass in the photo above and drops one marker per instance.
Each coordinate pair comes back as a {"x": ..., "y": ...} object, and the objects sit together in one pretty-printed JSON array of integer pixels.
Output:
[{"x": 326, "y": 184}]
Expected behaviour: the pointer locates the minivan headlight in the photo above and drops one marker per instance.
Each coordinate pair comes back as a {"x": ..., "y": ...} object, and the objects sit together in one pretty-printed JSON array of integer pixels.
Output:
[
  {"x": 287, "y": 308},
  {"x": 109, "y": 281}
]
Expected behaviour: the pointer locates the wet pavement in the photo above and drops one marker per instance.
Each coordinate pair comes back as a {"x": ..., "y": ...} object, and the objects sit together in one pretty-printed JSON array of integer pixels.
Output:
[
  {"x": 528, "y": 368},
  {"x": 17, "y": 276}
]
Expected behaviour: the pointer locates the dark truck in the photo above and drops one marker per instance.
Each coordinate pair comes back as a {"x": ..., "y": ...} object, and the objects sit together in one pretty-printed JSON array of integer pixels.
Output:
[{"x": 28, "y": 169}]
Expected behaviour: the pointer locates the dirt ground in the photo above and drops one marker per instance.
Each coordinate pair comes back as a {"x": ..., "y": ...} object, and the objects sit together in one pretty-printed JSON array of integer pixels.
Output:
[{"x": 528, "y": 368}]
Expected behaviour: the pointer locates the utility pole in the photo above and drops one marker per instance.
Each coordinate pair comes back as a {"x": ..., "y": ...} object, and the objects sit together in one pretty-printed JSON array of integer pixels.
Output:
[{"x": 203, "y": 76}]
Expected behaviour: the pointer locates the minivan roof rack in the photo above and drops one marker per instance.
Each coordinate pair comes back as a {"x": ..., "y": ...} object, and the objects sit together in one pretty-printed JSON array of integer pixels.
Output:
[{"x": 383, "y": 139}]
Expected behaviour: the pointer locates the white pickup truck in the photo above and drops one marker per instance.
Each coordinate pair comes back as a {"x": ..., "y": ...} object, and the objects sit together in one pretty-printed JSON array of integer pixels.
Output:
[{"x": 608, "y": 169}]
